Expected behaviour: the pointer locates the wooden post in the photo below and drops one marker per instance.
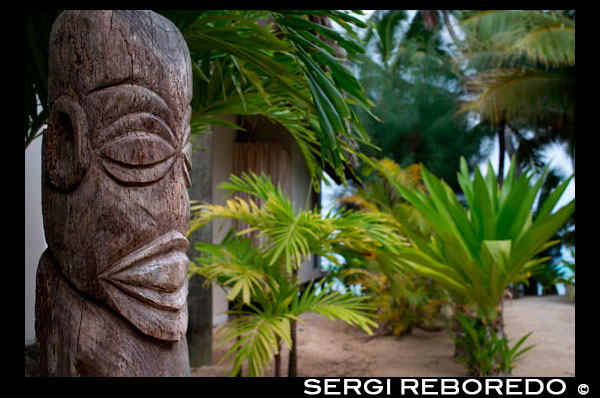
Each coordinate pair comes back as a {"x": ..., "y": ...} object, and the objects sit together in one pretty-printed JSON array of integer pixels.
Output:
[
  {"x": 199, "y": 333},
  {"x": 111, "y": 288}
]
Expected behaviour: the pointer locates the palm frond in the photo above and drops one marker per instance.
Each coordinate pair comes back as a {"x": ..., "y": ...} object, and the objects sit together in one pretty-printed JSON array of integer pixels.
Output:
[
  {"x": 544, "y": 97},
  {"x": 256, "y": 336},
  {"x": 237, "y": 266},
  {"x": 346, "y": 307},
  {"x": 280, "y": 64},
  {"x": 524, "y": 63}
]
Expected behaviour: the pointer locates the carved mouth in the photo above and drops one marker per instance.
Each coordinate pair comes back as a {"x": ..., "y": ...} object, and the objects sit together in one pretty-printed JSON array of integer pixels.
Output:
[{"x": 156, "y": 273}]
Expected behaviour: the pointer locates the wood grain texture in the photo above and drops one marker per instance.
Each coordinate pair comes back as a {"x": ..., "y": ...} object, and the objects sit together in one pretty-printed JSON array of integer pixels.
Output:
[{"x": 112, "y": 287}]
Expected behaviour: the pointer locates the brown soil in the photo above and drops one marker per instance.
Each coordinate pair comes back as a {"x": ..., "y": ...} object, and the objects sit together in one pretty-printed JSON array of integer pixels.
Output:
[{"x": 334, "y": 349}]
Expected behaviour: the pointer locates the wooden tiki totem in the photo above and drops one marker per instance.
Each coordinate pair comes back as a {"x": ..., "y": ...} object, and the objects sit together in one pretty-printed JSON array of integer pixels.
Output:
[{"x": 111, "y": 288}]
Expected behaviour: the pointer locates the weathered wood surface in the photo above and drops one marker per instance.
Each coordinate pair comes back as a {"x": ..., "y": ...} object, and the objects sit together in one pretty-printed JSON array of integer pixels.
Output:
[
  {"x": 199, "y": 334},
  {"x": 112, "y": 285}
]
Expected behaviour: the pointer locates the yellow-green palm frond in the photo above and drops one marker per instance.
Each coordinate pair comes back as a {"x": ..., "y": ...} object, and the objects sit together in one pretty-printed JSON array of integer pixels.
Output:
[
  {"x": 235, "y": 265},
  {"x": 234, "y": 209},
  {"x": 256, "y": 337},
  {"x": 253, "y": 184},
  {"x": 370, "y": 280},
  {"x": 366, "y": 231},
  {"x": 521, "y": 65},
  {"x": 358, "y": 201},
  {"x": 351, "y": 309},
  {"x": 410, "y": 176},
  {"x": 549, "y": 45}
]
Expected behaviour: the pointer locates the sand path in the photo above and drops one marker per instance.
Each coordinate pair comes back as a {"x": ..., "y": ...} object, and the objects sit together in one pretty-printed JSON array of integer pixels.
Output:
[{"x": 333, "y": 349}]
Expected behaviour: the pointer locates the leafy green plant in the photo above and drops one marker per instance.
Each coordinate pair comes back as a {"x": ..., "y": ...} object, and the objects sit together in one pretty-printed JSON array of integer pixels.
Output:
[
  {"x": 509, "y": 356},
  {"x": 286, "y": 65},
  {"x": 476, "y": 252},
  {"x": 404, "y": 299},
  {"x": 485, "y": 353},
  {"x": 261, "y": 279}
]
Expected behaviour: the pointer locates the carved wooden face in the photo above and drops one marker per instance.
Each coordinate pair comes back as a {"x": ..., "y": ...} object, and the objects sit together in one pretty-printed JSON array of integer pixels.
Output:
[{"x": 117, "y": 157}]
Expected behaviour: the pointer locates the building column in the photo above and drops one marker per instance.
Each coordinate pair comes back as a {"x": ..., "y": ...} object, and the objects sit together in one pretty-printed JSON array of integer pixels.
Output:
[{"x": 199, "y": 332}]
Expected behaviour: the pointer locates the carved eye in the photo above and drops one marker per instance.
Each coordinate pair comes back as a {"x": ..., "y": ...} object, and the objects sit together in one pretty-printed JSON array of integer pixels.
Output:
[
  {"x": 137, "y": 157},
  {"x": 138, "y": 149}
]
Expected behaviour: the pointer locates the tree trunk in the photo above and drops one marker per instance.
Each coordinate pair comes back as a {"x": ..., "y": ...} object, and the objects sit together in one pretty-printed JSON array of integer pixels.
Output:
[
  {"x": 455, "y": 39},
  {"x": 511, "y": 150},
  {"x": 501, "y": 149},
  {"x": 293, "y": 359},
  {"x": 238, "y": 338},
  {"x": 278, "y": 359},
  {"x": 457, "y": 331},
  {"x": 498, "y": 322}
]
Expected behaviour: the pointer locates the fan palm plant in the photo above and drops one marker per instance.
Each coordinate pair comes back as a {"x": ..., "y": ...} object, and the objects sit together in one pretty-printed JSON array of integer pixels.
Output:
[{"x": 261, "y": 278}]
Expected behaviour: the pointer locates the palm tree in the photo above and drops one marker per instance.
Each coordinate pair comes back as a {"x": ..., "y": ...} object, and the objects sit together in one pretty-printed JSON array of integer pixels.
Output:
[
  {"x": 409, "y": 74},
  {"x": 521, "y": 67},
  {"x": 261, "y": 278}
]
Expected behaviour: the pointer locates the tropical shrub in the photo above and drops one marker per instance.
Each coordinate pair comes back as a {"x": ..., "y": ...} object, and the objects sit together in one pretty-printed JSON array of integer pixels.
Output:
[
  {"x": 404, "y": 300},
  {"x": 261, "y": 280},
  {"x": 484, "y": 352},
  {"x": 476, "y": 252}
]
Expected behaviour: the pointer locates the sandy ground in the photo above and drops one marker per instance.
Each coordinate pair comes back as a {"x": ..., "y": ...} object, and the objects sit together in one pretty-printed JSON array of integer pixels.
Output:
[{"x": 334, "y": 349}]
